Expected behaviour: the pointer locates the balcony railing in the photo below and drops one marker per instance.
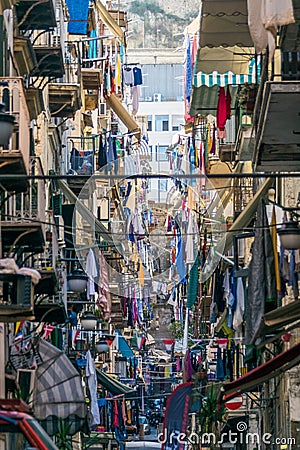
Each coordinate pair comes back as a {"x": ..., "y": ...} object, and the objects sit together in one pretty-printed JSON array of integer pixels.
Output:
[
  {"x": 12, "y": 94},
  {"x": 35, "y": 15},
  {"x": 49, "y": 54},
  {"x": 23, "y": 215},
  {"x": 82, "y": 153}
]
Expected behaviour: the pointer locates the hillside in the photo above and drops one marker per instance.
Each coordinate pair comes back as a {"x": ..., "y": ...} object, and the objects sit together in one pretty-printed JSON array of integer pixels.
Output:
[{"x": 156, "y": 23}]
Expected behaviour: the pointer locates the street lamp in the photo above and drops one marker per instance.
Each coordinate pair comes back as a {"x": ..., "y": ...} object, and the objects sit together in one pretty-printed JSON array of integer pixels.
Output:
[
  {"x": 289, "y": 235},
  {"x": 77, "y": 280},
  {"x": 101, "y": 345},
  {"x": 7, "y": 122},
  {"x": 88, "y": 321}
]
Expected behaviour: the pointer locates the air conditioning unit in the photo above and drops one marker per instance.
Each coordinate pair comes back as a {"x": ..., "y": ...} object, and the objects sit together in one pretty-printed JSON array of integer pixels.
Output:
[
  {"x": 55, "y": 40},
  {"x": 25, "y": 381},
  {"x": 148, "y": 98},
  {"x": 60, "y": 231},
  {"x": 102, "y": 109},
  {"x": 157, "y": 97}
]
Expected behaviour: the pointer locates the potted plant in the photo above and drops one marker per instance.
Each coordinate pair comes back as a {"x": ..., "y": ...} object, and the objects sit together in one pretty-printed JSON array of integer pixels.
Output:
[
  {"x": 211, "y": 416},
  {"x": 247, "y": 97}
]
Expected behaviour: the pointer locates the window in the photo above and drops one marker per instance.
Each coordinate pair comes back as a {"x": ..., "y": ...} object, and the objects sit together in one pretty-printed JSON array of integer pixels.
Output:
[
  {"x": 149, "y": 123},
  {"x": 161, "y": 154},
  {"x": 161, "y": 123},
  {"x": 151, "y": 152},
  {"x": 163, "y": 185},
  {"x": 177, "y": 122}
]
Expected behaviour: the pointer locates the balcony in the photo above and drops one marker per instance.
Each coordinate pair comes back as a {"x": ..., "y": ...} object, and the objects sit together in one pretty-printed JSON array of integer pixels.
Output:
[
  {"x": 289, "y": 34},
  {"x": 49, "y": 56},
  {"x": 16, "y": 297},
  {"x": 64, "y": 99},
  {"x": 24, "y": 55},
  {"x": 15, "y": 159},
  {"x": 82, "y": 160},
  {"x": 91, "y": 54},
  {"x": 35, "y": 102},
  {"x": 35, "y": 15},
  {"x": 277, "y": 144},
  {"x": 120, "y": 17},
  {"x": 23, "y": 217}
]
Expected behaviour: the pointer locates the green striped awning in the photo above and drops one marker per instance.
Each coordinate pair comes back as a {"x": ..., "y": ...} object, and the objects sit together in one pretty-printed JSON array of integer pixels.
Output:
[
  {"x": 228, "y": 78},
  {"x": 222, "y": 79}
]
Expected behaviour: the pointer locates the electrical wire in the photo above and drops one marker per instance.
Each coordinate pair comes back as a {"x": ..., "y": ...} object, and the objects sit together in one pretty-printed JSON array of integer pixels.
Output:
[{"x": 106, "y": 177}]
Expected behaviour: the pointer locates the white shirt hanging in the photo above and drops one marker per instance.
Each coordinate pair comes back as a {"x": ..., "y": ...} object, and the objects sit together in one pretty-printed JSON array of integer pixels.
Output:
[{"x": 92, "y": 272}]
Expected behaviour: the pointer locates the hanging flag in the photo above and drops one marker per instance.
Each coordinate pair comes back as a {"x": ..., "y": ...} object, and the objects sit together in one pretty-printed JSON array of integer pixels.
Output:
[
  {"x": 168, "y": 343},
  {"x": 188, "y": 368},
  {"x": 18, "y": 340},
  {"x": 47, "y": 331},
  {"x": 193, "y": 284},
  {"x": 75, "y": 336},
  {"x": 222, "y": 342},
  {"x": 140, "y": 341},
  {"x": 17, "y": 327},
  {"x": 176, "y": 418},
  {"x": 109, "y": 340}
]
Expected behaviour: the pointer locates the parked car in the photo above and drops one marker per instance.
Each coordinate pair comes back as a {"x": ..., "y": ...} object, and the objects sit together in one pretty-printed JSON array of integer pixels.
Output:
[
  {"x": 22, "y": 431},
  {"x": 143, "y": 421}
]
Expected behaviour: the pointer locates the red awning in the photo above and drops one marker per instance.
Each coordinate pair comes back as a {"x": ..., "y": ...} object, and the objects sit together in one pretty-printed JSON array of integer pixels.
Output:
[{"x": 270, "y": 369}]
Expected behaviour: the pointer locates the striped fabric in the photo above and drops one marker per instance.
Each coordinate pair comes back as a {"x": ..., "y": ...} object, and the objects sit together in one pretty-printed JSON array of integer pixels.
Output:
[
  {"x": 228, "y": 78},
  {"x": 58, "y": 389},
  {"x": 144, "y": 149}
]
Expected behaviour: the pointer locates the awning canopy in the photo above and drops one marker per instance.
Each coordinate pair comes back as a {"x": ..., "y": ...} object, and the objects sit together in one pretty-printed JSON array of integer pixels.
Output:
[
  {"x": 194, "y": 26},
  {"x": 109, "y": 21},
  {"x": 272, "y": 368},
  {"x": 222, "y": 79},
  {"x": 115, "y": 104},
  {"x": 224, "y": 59},
  {"x": 224, "y": 23},
  {"x": 275, "y": 321},
  {"x": 114, "y": 386},
  {"x": 123, "y": 346},
  {"x": 58, "y": 392},
  {"x": 205, "y": 99}
]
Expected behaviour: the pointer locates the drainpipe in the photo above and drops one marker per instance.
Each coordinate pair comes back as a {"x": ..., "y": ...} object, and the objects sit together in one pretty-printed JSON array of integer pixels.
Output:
[{"x": 287, "y": 425}]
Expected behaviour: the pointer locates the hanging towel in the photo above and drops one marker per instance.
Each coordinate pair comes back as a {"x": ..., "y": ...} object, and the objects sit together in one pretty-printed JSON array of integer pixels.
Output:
[
  {"x": 221, "y": 113},
  {"x": 90, "y": 372},
  {"x": 92, "y": 272}
]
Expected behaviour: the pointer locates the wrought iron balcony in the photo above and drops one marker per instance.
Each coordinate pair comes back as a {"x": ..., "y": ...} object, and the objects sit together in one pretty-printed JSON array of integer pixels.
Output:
[
  {"x": 35, "y": 15},
  {"x": 23, "y": 217},
  {"x": 81, "y": 157},
  {"x": 15, "y": 158},
  {"x": 49, "y": 55}
]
